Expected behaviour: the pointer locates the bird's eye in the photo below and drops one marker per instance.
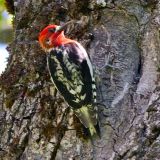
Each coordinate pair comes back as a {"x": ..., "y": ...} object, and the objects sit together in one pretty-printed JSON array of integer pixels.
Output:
[
  {"x": 52, "y": 30},
  {"x": 47, "y": 41}
]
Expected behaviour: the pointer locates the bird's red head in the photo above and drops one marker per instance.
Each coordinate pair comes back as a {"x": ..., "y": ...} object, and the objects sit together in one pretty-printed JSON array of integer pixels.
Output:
[
  {"x": 48, "y": 37},
  {"x": 53, "y": 36}
]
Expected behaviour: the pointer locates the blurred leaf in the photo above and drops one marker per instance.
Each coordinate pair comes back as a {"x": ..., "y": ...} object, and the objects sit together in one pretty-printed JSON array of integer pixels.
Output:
[
  {"x": 5, "y": 24},
  {"x": 2, "y": 8}
]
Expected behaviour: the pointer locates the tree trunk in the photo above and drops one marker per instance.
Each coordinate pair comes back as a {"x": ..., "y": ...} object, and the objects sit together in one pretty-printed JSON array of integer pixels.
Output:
[{"x": 123, "y": 40}]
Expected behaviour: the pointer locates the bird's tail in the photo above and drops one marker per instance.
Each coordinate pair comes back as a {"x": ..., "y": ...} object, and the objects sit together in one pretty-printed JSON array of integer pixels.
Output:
[
  {"x": 89, "y": 118},
  {"x": 93, "y": 131}
]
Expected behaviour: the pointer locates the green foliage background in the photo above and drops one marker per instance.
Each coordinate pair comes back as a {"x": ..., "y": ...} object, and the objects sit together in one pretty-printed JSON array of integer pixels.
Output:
[
  {"x": 6, "y": 33},
  {"x": 2, "y": 8}
]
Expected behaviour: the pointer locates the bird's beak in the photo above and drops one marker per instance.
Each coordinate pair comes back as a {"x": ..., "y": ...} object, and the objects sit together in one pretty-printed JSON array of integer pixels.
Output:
[{"x": 62, "y": 28}]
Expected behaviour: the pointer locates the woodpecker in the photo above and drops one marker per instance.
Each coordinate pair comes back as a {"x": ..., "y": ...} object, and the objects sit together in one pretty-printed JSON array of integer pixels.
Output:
[{"x": 72, "y": 74}]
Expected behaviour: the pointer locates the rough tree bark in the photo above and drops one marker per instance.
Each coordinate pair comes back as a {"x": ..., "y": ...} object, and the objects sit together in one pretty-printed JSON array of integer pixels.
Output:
[{"x": 35, "y": 121}]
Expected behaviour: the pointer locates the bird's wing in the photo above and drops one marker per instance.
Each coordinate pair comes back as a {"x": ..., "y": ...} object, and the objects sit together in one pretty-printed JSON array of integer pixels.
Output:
[{"x": 71, "y": 75}]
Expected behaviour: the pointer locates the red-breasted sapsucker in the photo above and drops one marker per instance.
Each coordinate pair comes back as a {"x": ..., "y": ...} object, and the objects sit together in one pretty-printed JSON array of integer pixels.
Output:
[{"x": 72, "y": 74}]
